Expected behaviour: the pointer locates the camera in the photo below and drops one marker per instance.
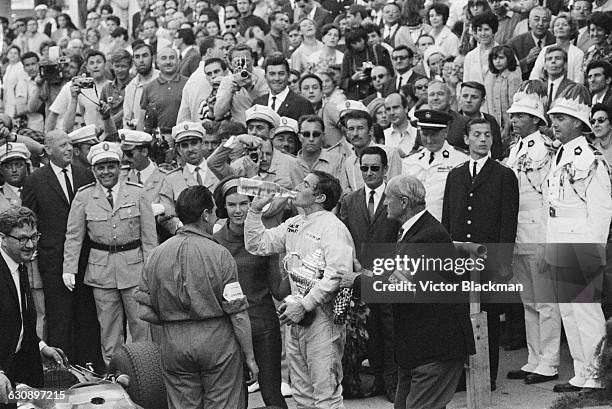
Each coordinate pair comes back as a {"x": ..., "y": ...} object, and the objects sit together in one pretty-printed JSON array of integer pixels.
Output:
[
  {"x": 253, "y": 154},
  {"x": 367, "y": 68},
  {"x": 239, "y": 68},
  {"x": 53, "y": 72},
  {"x": 83, "y": 82}
]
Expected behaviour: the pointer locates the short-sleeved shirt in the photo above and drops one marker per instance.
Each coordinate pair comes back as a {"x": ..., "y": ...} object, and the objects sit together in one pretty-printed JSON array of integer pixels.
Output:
[
  {"x": 113, "y": 94},
  {"x": 164, "y": 97},
  {"x": 87, "y": 109}
]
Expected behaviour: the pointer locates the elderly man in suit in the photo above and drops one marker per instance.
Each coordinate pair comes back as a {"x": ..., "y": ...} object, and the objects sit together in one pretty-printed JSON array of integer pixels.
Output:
[
  {"x": 525, "y": 46},
  {"x": 20, "y": 348},
  {"x": 481, "y": 202},
  {"x": 281, "y": 99},
  {"x": 49, "y": 191},
  {"x": 365, "y": 214}
]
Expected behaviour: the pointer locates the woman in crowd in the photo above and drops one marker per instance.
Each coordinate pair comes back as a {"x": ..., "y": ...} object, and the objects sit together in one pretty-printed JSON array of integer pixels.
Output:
[
  {"x": 600, "y": 26},
  {"x": 565, "y": 30},
  {"x": 311, "y": 88},
  {"x": 501, "y": 83},
  {"x": 474, "y": 8},
  {"x": 13, "y": 73},
  {"x": 411, "y": 18},
  {"x": 65, "y": 27},
  {"x": 212, "y": 28},
  {"x": 230, "y": 39},
  {"x": 379, "y": 115},
  {"x": 329, "y": 55},
  {"x": 602, "y": 129},
  {"x": 92, "y": 39},
  {"x": 333, "y": 96},
  {"x": 254, "y": 32},
  {"x": 294, "y": 80},
  {"x": 476, "y": 64},
  {"x": 444, "y": 38},
  {"x": 309, "y": 45},
  {"x": 260, "y": 280},
  {"x": 433, "y": 59}
]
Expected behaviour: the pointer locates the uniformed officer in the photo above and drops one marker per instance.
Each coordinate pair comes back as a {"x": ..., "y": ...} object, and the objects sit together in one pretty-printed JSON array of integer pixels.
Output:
[
  {"x": 580, "y": 208},
  {"x": 432, "y": 163},
  {"x": 188, "y": 138},
  {"x": 82, "y": 141},
  {"x": 285, "y": 136},
  {"x": 118, "y": 219},
  {"x": 14, "y": 163},
  {"x": 530, "y": 159}
]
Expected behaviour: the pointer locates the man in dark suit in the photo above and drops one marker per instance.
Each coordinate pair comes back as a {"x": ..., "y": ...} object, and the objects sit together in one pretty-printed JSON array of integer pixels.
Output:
[
  {"x": 20, "y": 347},
  {"x": 599, "y": 79},
  {"x": 555, "y": 62},
  {"x": 277, "y": 41},
  {"x": 321, "y": 16},
  {"x": 402, "y": 58},
  {"x": 281, "y": 99},
  {"x": 480, "y": 205},
  {"x": 381, "y": 84},
  {"x": 364, "y": 213},
  {"x": 433, "y": 334},
  {"x": 71, "y": 318},
  {"x": 524, "y": 46},
  {"x": 188, "y": 52}
]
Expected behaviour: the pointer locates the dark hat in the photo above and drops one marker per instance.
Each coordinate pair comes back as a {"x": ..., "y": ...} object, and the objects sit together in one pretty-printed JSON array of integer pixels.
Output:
[{"x": 430, "y": 118}]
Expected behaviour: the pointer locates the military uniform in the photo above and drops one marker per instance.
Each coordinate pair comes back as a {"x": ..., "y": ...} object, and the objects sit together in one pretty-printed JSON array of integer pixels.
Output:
[
  {"x": 579, "y": 211},
  {"x": 530, "y": 159},
  {"x": 432, "y": 168},
  {"x": 121, "y": 237}
]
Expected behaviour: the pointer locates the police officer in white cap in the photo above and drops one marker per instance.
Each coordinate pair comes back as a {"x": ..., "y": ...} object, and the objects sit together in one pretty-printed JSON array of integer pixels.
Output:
[
  {"x": 285, "y": 137},
  {"x": 432, "y": 163},
  {"x": 356, "y": 124},
  {"x": 580, "y": 208},
  {"x": 531, "y": 158},
  {"x": 14, "y": 164},
  {"x": 82, "y": 141},
  {"x": 117, "y": 217},
  {"x": 188, "y": 138}
]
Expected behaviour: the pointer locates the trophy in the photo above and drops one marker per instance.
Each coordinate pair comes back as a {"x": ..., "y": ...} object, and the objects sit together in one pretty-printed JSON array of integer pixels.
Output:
[{"x": 304, "y": 273}]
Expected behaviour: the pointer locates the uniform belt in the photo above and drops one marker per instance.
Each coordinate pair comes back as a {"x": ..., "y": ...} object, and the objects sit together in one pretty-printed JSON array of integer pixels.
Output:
[
  {"x": 560, "y": 212},
  {"x": 114, "y": 248}
]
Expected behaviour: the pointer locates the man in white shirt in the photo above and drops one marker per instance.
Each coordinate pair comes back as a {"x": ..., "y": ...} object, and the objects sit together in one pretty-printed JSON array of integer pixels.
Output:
[
  {"x": 401, "y": 134},
  {"x": 599, "y": 78},
  {"x": 143, "y": 62},
  {"x": 556, "y": 67}
]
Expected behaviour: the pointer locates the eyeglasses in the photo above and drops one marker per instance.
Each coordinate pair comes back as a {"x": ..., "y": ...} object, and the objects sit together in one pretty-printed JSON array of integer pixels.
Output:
[
  {"x": 314, "y": 134},
  {"x": 128, "y": 154},
  {"x": 400, "y": 57},
  {"x": 378, "y": 77},
  {"x": 599, "y": 120},
  {"x": 23, "y": 241},
  {"x": 420, "y": 87},
  {"x": 231, "y": 26},
  {"x": 373, "y": 168}
]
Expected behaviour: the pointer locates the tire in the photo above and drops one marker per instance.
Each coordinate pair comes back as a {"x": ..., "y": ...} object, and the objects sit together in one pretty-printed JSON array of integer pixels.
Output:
[{"x": 141, "y": 361}]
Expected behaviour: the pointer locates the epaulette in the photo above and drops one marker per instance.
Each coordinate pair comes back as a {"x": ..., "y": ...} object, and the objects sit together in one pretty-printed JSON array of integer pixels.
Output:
[
  {"x": 92, "y": 184},
  {"x": 128, "y": 182},
  {"x": 584, "y": 158}
]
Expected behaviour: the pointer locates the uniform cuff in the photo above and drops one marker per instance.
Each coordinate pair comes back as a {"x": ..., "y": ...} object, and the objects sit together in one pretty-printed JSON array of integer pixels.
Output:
[{"x": 41, "y": 345}]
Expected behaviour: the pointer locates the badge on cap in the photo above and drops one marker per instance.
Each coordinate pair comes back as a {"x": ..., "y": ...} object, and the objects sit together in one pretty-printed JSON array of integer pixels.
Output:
[
  {"x": 284, "y": 121},
  {"x": 105, "y": 147},
  {"x": 428, "y": 114},
  {"x": 348, "y": 104},
  {"x": 186, "y": 127},
  {"x": 530, "y": 144},
  {"x": 578, "y": 150},
  {"x": 122, "y": 136},
  {"x": 9, "y": 147},
  {"x": 445, "y": 153}
]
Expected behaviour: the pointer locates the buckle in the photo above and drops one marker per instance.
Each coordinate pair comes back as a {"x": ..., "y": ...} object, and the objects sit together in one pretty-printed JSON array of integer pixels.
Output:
[{"x": 113, "y": 248}]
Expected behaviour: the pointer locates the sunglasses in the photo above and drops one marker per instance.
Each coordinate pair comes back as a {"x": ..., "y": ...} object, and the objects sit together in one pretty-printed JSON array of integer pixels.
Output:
[
  {"x": 599, "y": 120},
  {"x": 420, "y": 87},
  {"x": 314, "y": 134},
  {"x": 373, "y": 168},
  {"x": 379, "y": 77},
  {"x": 128, "y": 154},
  {"x": 231, "y": 26}
]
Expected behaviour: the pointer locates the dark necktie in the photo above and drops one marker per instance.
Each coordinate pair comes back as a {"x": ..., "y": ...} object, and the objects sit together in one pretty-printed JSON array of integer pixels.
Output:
[
  {"x": 371, "y": 208},
  {"x": 68, "y": 185},
  {"x": 550, "y": 93},
  {"x": 559, "y": 155},
  {"x": 400, "y": 233},
  {"x": 274, "y": 104},
  {"x": 474, "y": 170},
  {"x": 520, "y": 146},
  {"x": 540, "y": 43},
  {"x": 23, "y": 276},
  {"x": 399, "y": 82},
  {"x": 109, "y": 197},
  {"x": 138, "y": 175},
  {"x": 198, "y": 177},
  {"x": 431, "y": 157}
]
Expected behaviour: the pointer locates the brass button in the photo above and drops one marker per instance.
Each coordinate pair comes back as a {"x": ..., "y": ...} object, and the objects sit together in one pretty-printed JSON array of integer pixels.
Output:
[
  {"x": 469, "y": 208},
  {"x": 469, "y": 236},
  {"x": 469, "y": 222}
]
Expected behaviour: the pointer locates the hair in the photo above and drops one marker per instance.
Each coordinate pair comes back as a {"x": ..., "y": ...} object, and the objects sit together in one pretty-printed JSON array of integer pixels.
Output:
[
  {"x": 402, "y": 47},
  {"x": 354, "y": 114},
  {"x": 293, "y": 27},
  {"x": 16, "y": 217},
  {"x": 114, "y": 19},
  {"x": 214, "y": 21},
  {"x": 137, "y": 45},
  {"x": 468, "y": 13},
  {"x": 241, "y": 47},
  {"x": 375, "y": 150},
  {"x": 149, "y": 19},
  {"x": 570, "y": 20},
  {"x": 120, "y": 32},
  {"x": 229, "y": 128},
  {"x": 276, "y": 58},
  {"x": 208, "y": 43},
  {"x": 441, "y": 9},
  {"x": 275, "y": 14},
  {"x": 186, "y": 35},
  {"x": 312, "y": 76},
  {"x": 372, "y": 28},
  {"x": 507, "y": 52},
  {"x": 355, "y": 9},
  {"x": 95, "y": 31},
  {"x": 121, "y": 55},
  {"x": 192, "y": 202},
  {"x": 313, "y": 119},
  {"x": 601, "y": 19},
  {"x": 354, "y": 35},
  {"x": 330, "y": 187},
  {"x": 219, "y": 196},
  {"x": 29, "y": 54},
  {"x": 602, "y": 107},
  {"x": 108, "y": 8},
  {"x": 45, "y": 44},
  {"x": 477, "y": 86},
  {"x": 93, "y": 53},
  {"x": 607, "y": 67},
  {"x": 409, "y": 187},
  {"x": 487, "y": 18},
  {"x": 475, "y": 121},
  {"x": 14, "y": 47},
  {"x": 77, "y": 59},
  {"x": 221, "y": 62},
  {"x": 403, "y": 99},
  {"x": 328, "y": 27},
  {"x": 295, "y": 72},
  {"x": 555, "y": 48}
]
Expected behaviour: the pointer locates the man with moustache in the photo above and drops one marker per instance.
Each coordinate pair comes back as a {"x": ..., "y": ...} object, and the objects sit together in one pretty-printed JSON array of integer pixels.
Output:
[{"x": 82, "y": 140}]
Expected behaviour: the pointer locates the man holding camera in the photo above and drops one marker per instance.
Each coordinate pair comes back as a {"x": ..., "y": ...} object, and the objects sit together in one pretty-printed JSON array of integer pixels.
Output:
[
  {"x": 27, "y": 94},
  {"x": 114, "y": 92},
  {"x": 238, "y": 91}
]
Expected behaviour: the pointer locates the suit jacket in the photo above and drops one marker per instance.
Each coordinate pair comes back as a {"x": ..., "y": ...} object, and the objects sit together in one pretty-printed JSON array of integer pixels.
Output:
[
  {"x": 271, "y": 46},
  {"x": 336, "y": 7},
  {"x": 566, "y": 82},
  {"x": 294, "y": 105},
  {"x": 28, "y": 368},
  {"x": 456, "y": 132},
  {"x": 391, "y": 86},
  {"x": 522, "y": 44},
  {"x": 43, "y": 194},
  {"x": 431, "y": 332},
  {"x": 190, "y": 62},
  {"x": 367, "y": 231},
  {"x": 484, "y": 210},
  {"x": 607, "y": 99}
]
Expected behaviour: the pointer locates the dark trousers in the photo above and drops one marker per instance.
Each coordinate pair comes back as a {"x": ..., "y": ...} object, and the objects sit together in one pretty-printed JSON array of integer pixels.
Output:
[
  {"x": 428, "y": 386},
  {"x": 25, "y": 368},
  {"x": 267, "y": 347},
  {"x": 72, "y": 321},
  {"x": 493, "y": 324},
  {"x": 380, "y": 346}
]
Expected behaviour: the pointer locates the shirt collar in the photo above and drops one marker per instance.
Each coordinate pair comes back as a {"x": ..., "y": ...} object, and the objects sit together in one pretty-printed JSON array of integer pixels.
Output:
[
  {"x": 378, "y": 192},
  {"x": 202, "y": 166},
  {"x": 14, "y": 189},
  {"x": 147, "y": 172},
  {"x": 176, "y": 78},
  {"x": 281, "y": 95},
  {"x": 410, "y": 222},
  {"x": 556, "y": 83},
  {"x": 11, "y": 264},
  {"x": 57, "y": 170}
]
